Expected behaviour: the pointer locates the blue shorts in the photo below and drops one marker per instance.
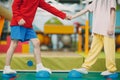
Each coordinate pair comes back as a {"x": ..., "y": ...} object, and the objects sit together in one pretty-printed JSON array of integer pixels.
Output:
[{"x": 22, "y": 34}]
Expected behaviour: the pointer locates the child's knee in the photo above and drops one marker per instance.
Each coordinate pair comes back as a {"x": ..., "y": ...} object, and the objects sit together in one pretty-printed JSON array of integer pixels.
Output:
[
  {"x": 14, "y": 43},
  {"x": 36, "y": 42}
]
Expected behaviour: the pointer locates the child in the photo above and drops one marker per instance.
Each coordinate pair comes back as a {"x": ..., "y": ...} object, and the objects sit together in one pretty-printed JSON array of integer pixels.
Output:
[
  {"x": 22, "y": 29},
  {"x": 103, "y": 34}
]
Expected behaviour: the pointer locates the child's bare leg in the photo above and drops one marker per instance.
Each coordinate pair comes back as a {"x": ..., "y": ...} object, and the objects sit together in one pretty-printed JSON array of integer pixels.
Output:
[
  {"x": 10, "y": 52},
  {"x": 9, "y": 55},
  {"x": 36, "y": 45},
  {"x": 39, "y": 66}
]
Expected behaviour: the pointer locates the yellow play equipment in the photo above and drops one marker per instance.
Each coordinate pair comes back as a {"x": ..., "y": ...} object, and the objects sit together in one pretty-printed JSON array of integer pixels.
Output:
[
  {"x": 58, "y": 29},
  {"x": 86, "y": 44},
  {"x": 4, "y": 14},
  {"x": 69, "y": 29},
  {"x": 2, "y": 20},
  {"x": 87, "y": 37}
]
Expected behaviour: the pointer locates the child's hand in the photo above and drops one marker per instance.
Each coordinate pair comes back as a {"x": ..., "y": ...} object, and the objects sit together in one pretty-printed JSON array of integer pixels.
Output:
[
  {"x": 21, "y": 22},
  {"x": 68, "y": 17},
  {"x": 110, "y": 31}
]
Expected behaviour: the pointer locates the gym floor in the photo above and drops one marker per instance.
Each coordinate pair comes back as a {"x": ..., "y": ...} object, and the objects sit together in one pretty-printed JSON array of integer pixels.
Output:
[{"x": 56, "y": 76}]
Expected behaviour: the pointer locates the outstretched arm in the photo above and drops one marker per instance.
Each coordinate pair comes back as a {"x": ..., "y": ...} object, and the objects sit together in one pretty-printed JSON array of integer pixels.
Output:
[
  {"x": 44, "y": 5},
  {"x": 88, "y": 8},
  {"x": 80, "y": 13}
]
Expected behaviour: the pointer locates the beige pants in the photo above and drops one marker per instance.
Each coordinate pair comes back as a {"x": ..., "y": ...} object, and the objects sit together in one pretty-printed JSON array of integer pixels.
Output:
[{"x": 109, "y": 47}]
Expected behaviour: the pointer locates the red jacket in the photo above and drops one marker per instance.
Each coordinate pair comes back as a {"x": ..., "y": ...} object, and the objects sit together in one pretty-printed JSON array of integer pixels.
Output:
[{"x": 26, "y": 9}]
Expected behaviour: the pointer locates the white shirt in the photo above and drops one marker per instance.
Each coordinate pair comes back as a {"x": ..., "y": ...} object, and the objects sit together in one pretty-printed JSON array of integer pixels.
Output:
[{"x": 101, "y": 15}]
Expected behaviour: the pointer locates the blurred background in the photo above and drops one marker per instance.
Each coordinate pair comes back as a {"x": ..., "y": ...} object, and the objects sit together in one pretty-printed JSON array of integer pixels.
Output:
[
  {"x": 54, "y": 33},
  {"x": 64, "y": 43}
]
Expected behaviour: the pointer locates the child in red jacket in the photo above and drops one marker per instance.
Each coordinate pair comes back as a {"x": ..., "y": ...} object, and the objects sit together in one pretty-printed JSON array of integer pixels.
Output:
[{"x": 22, "y": 29}]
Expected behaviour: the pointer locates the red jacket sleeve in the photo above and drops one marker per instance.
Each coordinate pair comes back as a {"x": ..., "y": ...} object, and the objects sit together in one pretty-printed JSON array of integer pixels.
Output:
[
  {"x": 16, "y": 9},
  {"x": 51, "y": 9}
]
